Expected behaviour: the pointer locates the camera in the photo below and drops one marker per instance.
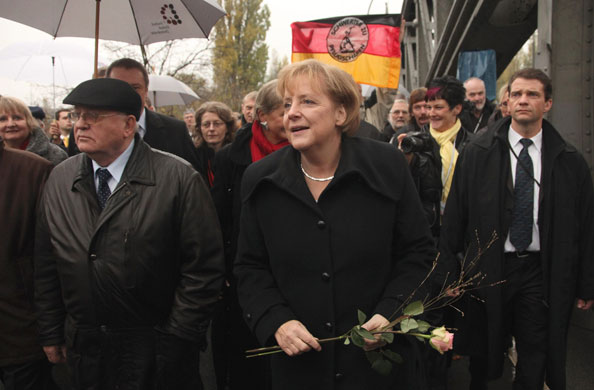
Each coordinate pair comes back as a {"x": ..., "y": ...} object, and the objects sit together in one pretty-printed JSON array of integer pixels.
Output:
[{"x": 416, "y": 142}]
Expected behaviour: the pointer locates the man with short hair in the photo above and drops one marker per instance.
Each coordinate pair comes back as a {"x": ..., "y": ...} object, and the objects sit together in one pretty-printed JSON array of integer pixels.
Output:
[
  {"x": 247, "y": 107},
  {"x": 419, "y": 115},
  {"x": 190, "y": 120},
  {"x": 398, "y": 117},
  {"x": 126, "y": 285},
  {"x": 418, "y": 110},
  {"x": 523, "y": 182},
  {"x": 60, "y": 128},
  {"x": 478, "y": 109}
]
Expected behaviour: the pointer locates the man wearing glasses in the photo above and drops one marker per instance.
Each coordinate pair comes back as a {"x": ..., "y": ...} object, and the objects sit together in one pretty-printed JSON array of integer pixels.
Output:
[{"x": 129, "y": 258}]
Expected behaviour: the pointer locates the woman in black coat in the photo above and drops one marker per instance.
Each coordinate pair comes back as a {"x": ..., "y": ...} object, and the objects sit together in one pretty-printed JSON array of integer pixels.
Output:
[
  {"x": 329, "y": 225},
  {"x": 216, "y": 124},
  {"x": 254, "y": 141}
]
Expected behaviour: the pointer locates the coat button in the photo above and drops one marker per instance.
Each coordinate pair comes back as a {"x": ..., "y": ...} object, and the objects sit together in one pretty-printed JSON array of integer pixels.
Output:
[
  {"x": 328, "y": 326},
  {"x": 248, "y": 316},
  {"x": 325, "y": 276},
  {"x": 321, "y": 225},
  {"x": 338, "y": 376},
  {"x": 93, "y": 257}
]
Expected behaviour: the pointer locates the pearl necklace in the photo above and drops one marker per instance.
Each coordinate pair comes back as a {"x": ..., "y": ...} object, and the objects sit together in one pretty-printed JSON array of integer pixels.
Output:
[{"x": 315, "y": 178}]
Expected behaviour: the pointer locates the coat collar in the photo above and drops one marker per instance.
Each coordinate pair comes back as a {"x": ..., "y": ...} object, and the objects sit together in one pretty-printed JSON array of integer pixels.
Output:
[
  {"x": 154, "y": 132},
  {"x": 553, "y": 143},
  {"x": 38, "y": 142},
  {"x": 139, "y": 168},
  {"x": 359, "y": 159}
]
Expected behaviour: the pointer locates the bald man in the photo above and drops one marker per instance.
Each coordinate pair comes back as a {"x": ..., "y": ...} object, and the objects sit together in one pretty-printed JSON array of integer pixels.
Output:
[{"x": 478, "y": 109}]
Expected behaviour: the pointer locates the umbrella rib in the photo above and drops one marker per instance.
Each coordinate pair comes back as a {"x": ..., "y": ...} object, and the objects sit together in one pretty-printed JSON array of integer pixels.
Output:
[
  {"x": 61, "y": 18},
  {"x": 197, "y": 23},
  {"x": 135, "y": 22}
]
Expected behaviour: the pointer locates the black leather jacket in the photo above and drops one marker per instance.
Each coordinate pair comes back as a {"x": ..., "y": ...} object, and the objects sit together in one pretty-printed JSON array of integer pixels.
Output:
[{"x": 152, "y": 258}]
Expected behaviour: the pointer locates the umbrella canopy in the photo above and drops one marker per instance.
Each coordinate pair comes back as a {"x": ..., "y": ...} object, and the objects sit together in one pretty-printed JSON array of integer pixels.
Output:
[
  {"x": 168, "y": 91},
  {"x": 47, "y": 62},
  {"x": 139, "y": 22}
]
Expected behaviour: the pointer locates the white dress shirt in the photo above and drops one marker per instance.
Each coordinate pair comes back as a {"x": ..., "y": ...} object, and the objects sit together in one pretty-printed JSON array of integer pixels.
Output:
[
  {"x": 535, "y": 152},
  {"x": 116, "y": 168},
  {"x": 142, "y": 124}
]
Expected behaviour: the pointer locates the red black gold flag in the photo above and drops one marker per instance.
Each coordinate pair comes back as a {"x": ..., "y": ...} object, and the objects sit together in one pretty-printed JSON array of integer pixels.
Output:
[{"x": 367, "y": 47}]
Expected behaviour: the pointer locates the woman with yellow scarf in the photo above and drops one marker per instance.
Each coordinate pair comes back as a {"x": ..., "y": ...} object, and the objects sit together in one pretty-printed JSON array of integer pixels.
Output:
[{"x": 445, "y": 97}]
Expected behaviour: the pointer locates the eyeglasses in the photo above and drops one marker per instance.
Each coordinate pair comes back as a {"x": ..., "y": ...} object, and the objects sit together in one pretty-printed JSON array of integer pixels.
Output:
[
  {"x": 206, "y": 125},
  {"x": 90, "y": 116}
]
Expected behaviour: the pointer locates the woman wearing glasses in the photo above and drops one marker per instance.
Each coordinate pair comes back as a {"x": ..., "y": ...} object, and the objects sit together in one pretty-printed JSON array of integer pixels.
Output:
[
  {"x": 19, "y": 130},
  {"x": 216, "y": 124}
]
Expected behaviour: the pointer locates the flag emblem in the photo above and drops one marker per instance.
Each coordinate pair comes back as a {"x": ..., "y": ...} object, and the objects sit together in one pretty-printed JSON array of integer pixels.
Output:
[{"x": 347, "y": 39}]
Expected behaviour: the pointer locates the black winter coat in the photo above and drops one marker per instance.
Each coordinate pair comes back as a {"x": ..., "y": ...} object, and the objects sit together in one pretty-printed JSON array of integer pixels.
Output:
[
  {"x": 229, "y": 165},
  {"x": 152, "y": 258},
  {"x": 481, "y": 202},
  {"x": 364, "y": 245}
]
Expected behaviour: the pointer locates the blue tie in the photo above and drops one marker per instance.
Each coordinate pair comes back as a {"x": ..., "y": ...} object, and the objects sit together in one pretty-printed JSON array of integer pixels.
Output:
[
  {"x": 520, "y": 232},
  {"x": 103, "y": 190}
]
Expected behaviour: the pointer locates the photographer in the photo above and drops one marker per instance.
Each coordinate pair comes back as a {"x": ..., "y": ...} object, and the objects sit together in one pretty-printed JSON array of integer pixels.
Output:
[{"x": 433, "y": 152}]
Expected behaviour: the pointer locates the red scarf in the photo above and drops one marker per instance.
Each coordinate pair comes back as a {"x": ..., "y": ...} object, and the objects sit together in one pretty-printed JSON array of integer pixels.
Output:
[
  {"x": 260, "y": 147},
  {"x": 25, "y": 143}
]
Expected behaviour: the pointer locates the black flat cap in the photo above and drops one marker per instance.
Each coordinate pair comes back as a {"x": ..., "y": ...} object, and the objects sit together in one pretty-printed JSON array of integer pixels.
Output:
[
  {"x": 108, "y": 94},
  {"x": 37, "y": 112}
]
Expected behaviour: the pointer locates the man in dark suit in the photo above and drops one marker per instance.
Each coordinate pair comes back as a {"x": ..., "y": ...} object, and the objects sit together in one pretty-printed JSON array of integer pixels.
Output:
[
  {"x": 524, "y": 183},
  {"x": 159, "y": 131}
]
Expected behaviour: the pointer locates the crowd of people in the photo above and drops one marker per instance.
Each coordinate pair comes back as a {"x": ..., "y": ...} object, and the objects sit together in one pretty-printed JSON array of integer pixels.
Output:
[{"x": 129, "y": 233}]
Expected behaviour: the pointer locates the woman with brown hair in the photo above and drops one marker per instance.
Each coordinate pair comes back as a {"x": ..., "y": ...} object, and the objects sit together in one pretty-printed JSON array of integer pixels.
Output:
[{"x": 216, "y": 124}]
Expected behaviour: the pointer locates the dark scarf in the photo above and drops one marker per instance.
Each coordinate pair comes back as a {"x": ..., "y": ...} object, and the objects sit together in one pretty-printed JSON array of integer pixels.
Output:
[{"x": 260, "y": 147}]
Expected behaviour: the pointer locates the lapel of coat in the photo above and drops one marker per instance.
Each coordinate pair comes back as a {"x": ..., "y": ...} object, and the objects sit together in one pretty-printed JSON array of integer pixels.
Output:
[
  {"x": 139, "y": 172},
  {"x": 497, "y": 178},
  {"x": 84, "y": 181},
  {"x": 288, "y": 177},
  {"x": 552, "y": 146},
  {"x": 155, "y": 135}
]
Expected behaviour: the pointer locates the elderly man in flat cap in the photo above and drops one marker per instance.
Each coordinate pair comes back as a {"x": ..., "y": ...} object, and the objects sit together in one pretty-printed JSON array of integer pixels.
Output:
[{"x": 129, "y": 259}]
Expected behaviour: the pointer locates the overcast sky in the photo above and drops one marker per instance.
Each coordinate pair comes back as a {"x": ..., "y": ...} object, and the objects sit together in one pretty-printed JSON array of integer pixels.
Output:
[{"x": 282, "y": 14}]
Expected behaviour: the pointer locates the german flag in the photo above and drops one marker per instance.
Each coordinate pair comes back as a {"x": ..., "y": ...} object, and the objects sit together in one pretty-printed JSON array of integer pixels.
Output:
[{"x": 367, "y": 47}]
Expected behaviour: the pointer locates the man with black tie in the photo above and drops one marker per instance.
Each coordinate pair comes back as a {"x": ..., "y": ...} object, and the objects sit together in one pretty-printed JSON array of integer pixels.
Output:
[
  {"x": 522, "y": 181},
  {"x": 159, "y": 131},
  {"x": 128, "y": 253}
]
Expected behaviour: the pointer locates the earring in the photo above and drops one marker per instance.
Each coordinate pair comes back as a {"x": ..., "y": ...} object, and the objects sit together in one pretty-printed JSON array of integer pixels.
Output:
[{"x": 264, "y": 125}]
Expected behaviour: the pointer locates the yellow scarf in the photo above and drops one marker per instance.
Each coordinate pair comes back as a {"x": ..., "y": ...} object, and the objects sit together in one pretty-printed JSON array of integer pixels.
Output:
[{"x": 448, "y": 154}]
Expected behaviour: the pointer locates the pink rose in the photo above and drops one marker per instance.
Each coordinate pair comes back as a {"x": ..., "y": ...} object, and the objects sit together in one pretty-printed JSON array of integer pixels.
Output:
[{"x": 441, "y": 340}]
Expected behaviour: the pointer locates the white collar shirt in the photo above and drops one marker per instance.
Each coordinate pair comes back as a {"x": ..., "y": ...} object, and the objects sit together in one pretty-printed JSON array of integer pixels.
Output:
[
  {"x": 142, "y": 124},
  {"x": 535, "y": 152},
  {"x": 116, "y": 168}
]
